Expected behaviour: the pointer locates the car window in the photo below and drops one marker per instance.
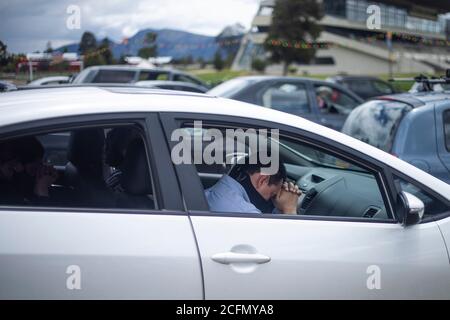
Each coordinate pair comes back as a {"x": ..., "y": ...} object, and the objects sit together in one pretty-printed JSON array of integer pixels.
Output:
[
  {"x": 382, "y": 87},
  {"x": 333, "y": 101},
  {"x": 185, "y": 78},
  {"x": 433, "y": 206},
  {"x": 153, "y": 75},
  {"x": 95, "y": 167},
  {"x": 287, "y": 97},
  {"x": 376, "y": 122},
  {"x": 446, "y": 117},
  {"x": 114, "y": 76},
  {"x": 331, "y": 185}
]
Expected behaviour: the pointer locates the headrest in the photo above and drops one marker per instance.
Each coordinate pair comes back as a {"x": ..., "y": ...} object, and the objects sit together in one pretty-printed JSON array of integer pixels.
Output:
[
  {"x": 86, "y": 151},
  {"x": 135, "y": 178}
]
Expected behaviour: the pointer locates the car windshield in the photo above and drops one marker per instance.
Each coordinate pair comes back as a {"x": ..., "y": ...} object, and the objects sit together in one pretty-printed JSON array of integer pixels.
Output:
[
  {"x": 228, "y": 88},
  {"x": 375, "y": 122}
]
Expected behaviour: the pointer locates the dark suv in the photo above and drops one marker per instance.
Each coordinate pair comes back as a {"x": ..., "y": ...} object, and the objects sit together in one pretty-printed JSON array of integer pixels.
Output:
[{"x": 364, "y": 86}]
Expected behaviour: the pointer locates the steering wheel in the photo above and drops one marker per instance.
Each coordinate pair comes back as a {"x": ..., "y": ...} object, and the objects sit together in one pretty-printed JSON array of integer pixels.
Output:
[{"x": 314, "y": 197}]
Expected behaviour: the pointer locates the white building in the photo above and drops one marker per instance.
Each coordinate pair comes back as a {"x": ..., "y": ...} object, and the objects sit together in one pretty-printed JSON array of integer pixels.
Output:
[{"x": 420, "y": 40}]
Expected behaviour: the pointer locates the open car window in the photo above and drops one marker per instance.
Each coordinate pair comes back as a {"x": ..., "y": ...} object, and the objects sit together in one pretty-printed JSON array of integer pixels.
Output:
[{"x": 331, "y": 186}]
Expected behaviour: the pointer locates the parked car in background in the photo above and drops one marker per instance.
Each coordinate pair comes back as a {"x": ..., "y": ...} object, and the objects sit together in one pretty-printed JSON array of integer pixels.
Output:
[
  {"x": 132, "y": 74},
  {"x": 439, "y": 87},
  {"x": 6, "y": 86},
  {"x": 158, "y": 238},
  {"x": 413, "y": 127},
  {"x": 319, "y": 101},
  {"x": 364, "y": 86},
  {"x": 172, "y": 85},
  {"x": 50, "y": 81}
]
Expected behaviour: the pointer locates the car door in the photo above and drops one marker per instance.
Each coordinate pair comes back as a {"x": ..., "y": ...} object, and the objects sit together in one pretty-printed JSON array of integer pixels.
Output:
[
  {"x": 333, "y": 104},
  {"x": 265, "y": 256},
  {"x": 74, "y": 252}
]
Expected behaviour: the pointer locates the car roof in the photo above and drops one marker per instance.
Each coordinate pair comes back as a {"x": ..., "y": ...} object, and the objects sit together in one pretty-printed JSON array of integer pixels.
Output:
[
  {"x": 45, "y": 79},
  {"x": 355, "y": 78},
  {"x": 167, "y": 82},
  {"x": 265, "y": 77},
  {"x": 417, "y": 99},
  {"x": 40, "y": 104},
  {"x": 132, "y": 68}
]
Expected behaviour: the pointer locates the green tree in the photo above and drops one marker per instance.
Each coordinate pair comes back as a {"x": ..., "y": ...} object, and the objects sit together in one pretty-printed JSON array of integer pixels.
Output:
[
  {"x": 259, "y": 65},
  {"x": 3, "y": 54},
  {"x": 293, "y": 22},
  {"x": 150, "y": 48},
  {"x": 49, "y": 48},
  {"x": 88, "y": 43},
  {"x": 218, "y": 61},
  {"x": 105, "y": 50}
]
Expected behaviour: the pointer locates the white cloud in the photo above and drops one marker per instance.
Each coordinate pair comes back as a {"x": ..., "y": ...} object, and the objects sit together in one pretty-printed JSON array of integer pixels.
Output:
[{"x": 45, "y": 19}]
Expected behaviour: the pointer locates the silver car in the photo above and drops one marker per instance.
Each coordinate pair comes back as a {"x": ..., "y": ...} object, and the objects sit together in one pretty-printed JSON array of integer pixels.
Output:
[{"x": 368, "y": 224}]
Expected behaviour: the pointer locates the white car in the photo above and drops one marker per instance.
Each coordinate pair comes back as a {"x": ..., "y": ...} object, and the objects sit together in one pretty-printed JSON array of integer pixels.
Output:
[
  {"x": 369, "y": 225},
  {"x": 50, "y": 81}
]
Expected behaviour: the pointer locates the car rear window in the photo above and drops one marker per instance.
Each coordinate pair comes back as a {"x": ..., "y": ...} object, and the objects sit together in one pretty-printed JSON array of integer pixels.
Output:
[
  {"x": 227, "y": 89},
  {"x": 114, "y": 76},
  {"x": 375, "y": 122}
]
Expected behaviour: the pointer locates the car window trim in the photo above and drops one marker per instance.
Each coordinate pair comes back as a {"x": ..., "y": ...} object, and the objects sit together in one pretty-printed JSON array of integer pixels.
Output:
[
  {"x": 393, "y": 173},
  {"x": 95, "y": 120},
  {"x": 307, "y": 137}
]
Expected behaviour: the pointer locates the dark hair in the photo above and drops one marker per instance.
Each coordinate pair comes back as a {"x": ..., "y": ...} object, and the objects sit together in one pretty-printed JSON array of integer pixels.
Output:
[
  {"x": 241, "y": 170},
  {"x": 116, "y": 143},
  {"x": 280, "y": 175},
  {"x": 7, "y": 152},
  {"x": 29, "y": 149}
]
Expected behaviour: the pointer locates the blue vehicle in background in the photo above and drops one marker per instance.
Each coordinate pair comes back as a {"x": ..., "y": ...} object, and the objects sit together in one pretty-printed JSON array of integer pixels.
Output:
[{"x": 412, "y": 126}]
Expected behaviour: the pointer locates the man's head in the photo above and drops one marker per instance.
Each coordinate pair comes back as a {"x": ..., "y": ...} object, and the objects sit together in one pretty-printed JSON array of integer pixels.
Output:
[
  {"x": 266, "y": 185},
  {"x": 9, "y": 161},
  {"x": 31, "y": 153},
  {"x": 116, "y": 143}
]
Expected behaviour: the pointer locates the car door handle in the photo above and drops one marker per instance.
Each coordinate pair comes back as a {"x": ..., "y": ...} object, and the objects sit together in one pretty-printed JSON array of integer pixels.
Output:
[{"x": 235, "y": 257}]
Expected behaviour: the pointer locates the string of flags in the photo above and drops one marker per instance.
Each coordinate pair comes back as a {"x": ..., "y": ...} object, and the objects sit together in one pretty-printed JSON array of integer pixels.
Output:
[{"x": 288, "y": 43}]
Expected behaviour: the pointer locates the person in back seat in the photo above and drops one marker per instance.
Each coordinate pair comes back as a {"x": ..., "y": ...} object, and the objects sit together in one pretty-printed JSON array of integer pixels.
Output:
[
  {"x": 135, "y": 178},
  {"x": 84, "y": 171},
  {"x": 36, "y": 178},
  {"x": 116, "y": 144}
]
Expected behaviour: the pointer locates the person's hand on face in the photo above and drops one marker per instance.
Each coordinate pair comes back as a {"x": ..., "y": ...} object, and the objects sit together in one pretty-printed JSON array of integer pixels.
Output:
[
  {"x": 45, "y": 177},
  {"x": 287, "y": 198}
]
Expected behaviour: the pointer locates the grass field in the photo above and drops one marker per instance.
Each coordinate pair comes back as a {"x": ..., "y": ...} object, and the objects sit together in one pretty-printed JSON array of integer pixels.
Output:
[
  {"x": 214, "y": 77},
  {"x": 210, "y": 76}
]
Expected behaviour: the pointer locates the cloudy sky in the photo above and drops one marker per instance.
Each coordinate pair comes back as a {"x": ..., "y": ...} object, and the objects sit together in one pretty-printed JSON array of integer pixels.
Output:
[{"x": 27, "y": 25}]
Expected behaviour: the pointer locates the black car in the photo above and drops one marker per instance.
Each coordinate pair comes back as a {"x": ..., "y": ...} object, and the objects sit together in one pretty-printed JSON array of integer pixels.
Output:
[
  {"x": 319, "y": 101},
  {"x": 364, "y": 86}
]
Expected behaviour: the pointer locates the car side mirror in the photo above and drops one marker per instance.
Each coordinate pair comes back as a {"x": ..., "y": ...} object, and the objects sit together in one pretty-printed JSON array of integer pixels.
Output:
[{"x": 414, "y": 208}]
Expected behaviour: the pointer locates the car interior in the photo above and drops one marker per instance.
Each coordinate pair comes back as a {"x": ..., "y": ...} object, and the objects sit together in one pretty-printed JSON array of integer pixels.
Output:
[
  {"x": 330, "y": 186},
  {"x": 84, "y": 174}
]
